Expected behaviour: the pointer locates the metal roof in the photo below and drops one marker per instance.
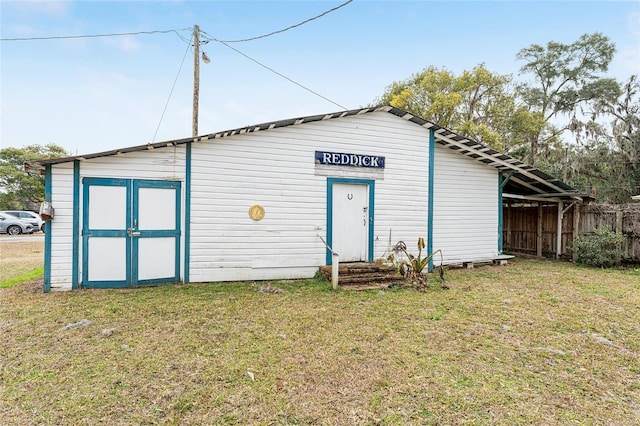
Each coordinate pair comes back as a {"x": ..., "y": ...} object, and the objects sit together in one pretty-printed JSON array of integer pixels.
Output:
[{"x": 522, "y": 180}]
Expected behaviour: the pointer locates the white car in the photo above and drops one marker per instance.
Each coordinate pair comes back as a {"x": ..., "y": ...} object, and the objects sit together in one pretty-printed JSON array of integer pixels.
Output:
[
  {"x": 29, "y": 217},
  {"x": 13, "y": 226}
]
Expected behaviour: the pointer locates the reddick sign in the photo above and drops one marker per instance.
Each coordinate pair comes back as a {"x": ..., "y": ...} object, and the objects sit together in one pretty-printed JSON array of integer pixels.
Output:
[{"x": 352, "y": 160}]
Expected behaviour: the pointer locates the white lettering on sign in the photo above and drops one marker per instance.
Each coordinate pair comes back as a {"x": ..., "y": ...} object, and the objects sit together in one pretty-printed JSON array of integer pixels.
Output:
[{"x": 352, "y": 160}]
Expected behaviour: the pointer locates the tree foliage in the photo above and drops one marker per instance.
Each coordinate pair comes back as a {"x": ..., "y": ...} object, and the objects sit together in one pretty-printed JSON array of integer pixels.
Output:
[
  {"x": 20, "y": 190},
  {"x": 566, "y": 92},
  {"x": 565, "y": 76},
  {"x": 607, "y": 154},
  {"x": 477, "y": 104}
]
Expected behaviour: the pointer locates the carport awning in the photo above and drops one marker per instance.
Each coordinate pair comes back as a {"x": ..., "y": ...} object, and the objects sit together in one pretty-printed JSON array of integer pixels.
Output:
[{"x": 522, "y": 181}]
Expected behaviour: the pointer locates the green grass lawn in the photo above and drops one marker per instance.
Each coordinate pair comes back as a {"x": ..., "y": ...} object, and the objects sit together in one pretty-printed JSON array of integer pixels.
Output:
[
  {"x": 534, "y": 342},
  {"x": 20, "y": 260}
]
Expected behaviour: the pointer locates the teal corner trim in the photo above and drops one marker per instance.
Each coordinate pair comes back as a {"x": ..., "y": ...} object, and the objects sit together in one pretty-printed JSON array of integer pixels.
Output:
[
  {"x": 432, "y": 150},
  {"x": 506, "y": 180},
  {"x": 372, "y": 189},
  {"x": 329, "y": 236},
  {"x": 187, "y": 213},
  {"x": 76, "y": 225},
  {"x": 500, "y": 186},
  {"x": 48, "y": 229}
]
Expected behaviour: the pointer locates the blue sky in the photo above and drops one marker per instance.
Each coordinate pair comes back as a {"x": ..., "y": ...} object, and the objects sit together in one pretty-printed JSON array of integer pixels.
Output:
[{"x": 95, "y": 94}]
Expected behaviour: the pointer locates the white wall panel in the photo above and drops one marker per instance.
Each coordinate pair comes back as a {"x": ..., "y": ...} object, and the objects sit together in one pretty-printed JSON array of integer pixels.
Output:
[
  {"x": 157, "y": 164},
  {"x": 465, "y": 212},
  {"x": 61, "y": 227},
  {"x": 276, "y": 169}
]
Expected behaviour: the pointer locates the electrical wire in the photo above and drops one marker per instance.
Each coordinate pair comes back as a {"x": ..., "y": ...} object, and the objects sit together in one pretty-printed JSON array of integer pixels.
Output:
[
  {"x": 171, "y": 92},
  {"x": 94, "y": 35},
  {"x": 288, "y": 28},
  {"x": 282, "y": 75}
]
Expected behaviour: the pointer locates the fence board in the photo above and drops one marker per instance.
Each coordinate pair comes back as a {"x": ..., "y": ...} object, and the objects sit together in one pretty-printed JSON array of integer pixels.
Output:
[{"x": 520, "y": 227}]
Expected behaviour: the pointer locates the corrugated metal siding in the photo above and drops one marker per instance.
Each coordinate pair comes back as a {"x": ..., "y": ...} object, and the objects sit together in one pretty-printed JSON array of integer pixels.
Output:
[
  {"x": 465, "y": 214},
  {"x": 61, "y": 227},
  {"x": 276, "y": 169}
]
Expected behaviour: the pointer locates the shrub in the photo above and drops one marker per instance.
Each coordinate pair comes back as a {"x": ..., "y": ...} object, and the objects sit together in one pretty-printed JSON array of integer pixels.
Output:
[
  {"x": 602, "y": 249},
  {"x": 413, "y": 267}
]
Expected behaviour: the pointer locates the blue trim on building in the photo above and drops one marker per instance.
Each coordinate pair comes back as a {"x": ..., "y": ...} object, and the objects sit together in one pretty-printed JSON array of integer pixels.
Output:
[
  {"x": 500, "y": 186},
  {"x": 432, "y": 149},
  {"x": 329, "y": 236},
  {"x": 47, "y": 229},
  {"x": 372, "y": 188},
  {"x": 187, "y": 214},
  {"x": 75, "y": 250}
]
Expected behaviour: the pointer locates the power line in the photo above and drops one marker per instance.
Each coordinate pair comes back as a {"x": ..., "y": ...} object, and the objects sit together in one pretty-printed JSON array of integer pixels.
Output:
[
  {"x": 175, "y": 31},
  {"x": 288, "y": 28},
  {"x": 171, "y": 92},
  {"x": 282, "y": 75},
  {"x": 226, "y": 43},
  {"x": 94, "y": 35}
]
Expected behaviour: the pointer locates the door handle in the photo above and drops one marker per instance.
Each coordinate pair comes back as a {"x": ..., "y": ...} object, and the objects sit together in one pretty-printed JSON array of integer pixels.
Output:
[{"x": 132, "y": 233}]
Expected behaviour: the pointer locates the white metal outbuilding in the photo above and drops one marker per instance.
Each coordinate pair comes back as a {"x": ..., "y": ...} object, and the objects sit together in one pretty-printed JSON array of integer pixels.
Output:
[{"x": 252, "y": 203}]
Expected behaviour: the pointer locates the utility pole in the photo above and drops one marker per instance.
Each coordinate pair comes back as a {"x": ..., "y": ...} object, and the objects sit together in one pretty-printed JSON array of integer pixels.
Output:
[{"x": 196, "y": 78}]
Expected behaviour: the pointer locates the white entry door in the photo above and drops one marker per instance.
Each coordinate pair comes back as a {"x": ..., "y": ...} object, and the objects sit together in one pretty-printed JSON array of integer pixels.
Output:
[
  {"x": 130, "y": 233},
  {"x": 350, "y": 221}
]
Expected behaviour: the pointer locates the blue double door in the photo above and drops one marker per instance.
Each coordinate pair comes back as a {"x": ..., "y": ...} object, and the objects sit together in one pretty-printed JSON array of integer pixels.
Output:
[{"x": 130, "y": 232}]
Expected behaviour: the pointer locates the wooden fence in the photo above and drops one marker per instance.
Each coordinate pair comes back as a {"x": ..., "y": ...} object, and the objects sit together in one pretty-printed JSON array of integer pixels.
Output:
[{"x": 532, "y": 229}]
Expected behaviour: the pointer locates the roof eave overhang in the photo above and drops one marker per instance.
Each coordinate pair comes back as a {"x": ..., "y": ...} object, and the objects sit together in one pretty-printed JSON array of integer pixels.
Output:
[{"x": 529, "y": 180}]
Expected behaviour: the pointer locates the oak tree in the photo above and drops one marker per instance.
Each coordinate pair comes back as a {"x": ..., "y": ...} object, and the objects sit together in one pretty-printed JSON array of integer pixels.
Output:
[
  {"x": 477, "y": 104},
  {"x": 20, "y": 190},
  {"x": 564, "y": 78}
]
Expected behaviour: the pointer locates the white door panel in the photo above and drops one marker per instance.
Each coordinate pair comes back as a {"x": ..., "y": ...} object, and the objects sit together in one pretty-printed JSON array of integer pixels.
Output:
[
  {"x": 350, "y": 221},
  {"x": 157, "y": 208},
  {"x": 107, "y": 259},
  {"x": 156, "y": 258},
  {"x": 107, "y": 209}
]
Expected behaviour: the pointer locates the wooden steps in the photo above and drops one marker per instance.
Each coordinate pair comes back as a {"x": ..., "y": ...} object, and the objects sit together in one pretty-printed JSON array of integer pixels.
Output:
[{"x": 364, "y": 276}]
